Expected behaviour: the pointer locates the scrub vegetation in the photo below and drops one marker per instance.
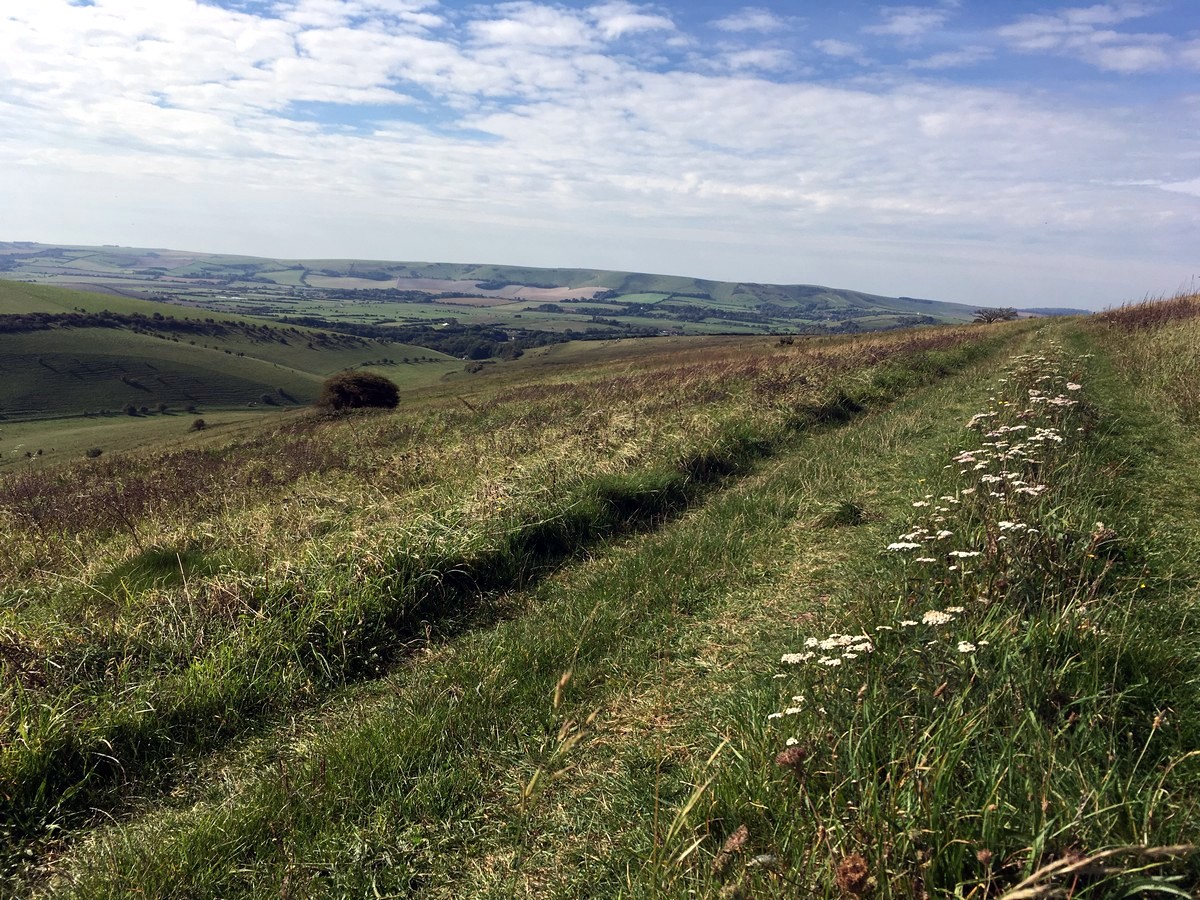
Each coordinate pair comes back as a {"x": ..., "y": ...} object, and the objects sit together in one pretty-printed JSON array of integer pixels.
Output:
[{"x": 902, "y": 615}]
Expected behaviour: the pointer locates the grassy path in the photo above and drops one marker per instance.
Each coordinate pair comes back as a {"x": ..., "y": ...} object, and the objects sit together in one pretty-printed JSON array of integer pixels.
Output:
[
  {"x": 484, "y": 770},
  {"x": 614, "y": 731}
]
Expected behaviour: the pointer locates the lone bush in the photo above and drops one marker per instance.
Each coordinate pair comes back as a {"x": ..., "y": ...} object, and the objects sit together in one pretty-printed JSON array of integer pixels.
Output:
[
  {"x": 352, "y": 390},
  {"x": 92, "y": 452},
  {"x": 199, "y": 425}
]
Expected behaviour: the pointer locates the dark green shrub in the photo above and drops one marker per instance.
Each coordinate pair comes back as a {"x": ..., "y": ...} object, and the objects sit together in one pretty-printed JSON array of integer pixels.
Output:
[
  {"x": 92, "y": 452},
  {"x": 352, "y": 390},
  {"x": 199, "y": 425}
]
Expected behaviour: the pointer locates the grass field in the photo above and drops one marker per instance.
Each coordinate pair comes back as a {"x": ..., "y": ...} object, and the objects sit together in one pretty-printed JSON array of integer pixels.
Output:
[
  {"x": 897, "y": 615},
  {"x": 189, "y": 360}
]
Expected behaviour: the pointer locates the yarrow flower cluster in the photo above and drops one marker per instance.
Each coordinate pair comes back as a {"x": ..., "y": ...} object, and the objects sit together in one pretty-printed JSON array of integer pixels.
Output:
[{"x": 985, "y": 522}]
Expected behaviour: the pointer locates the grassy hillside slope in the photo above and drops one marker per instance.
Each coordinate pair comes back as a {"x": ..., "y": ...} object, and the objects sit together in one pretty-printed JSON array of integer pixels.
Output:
[
  {"x": 897, "y": 616},
  {"x": 66, "y": 354}
]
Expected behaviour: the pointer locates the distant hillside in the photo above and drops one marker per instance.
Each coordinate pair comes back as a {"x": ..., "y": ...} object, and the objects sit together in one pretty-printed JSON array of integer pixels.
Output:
[
  {"x": 1056, "y": 311},
  {"x": 66, "y": 353},
  {"x": 576, "y": 302}
]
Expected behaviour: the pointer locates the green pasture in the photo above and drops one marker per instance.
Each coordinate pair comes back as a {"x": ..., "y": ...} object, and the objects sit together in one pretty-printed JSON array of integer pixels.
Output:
[
  {"x": 72, "y": 371},
  {"x": 68, "y": 439}
]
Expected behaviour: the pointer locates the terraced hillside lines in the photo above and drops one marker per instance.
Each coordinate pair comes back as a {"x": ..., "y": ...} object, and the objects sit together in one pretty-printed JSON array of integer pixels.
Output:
[
  {"x": 79, "y": 372},
  {"x": 311, "y": 557},
  {"x": 66, "y": 354}
]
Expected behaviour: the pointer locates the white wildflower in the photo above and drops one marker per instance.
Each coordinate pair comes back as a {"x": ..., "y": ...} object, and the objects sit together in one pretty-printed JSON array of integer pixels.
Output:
[
  {"x": 936, "y": 617},
  {"x": 794, "y": 659},
  {"x": 966, "y": 647}
]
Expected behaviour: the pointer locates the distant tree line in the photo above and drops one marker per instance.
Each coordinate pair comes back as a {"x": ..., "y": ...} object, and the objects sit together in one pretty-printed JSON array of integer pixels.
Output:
[
  {"x": 158, "y": 323},
  {"x": 474, "y": 342},
  {"x": 499, "y": 285}
]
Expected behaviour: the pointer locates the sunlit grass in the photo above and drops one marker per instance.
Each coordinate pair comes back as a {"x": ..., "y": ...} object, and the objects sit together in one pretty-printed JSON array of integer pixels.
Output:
[{"x": 164, "y": 604}]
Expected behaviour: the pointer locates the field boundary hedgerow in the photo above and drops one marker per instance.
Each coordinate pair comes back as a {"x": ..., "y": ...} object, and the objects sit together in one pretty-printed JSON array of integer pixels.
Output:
[{"x": 81, "y": 754}]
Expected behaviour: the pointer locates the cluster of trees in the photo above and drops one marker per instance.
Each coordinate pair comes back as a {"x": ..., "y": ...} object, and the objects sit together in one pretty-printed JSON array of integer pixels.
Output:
[
  {"x": 453, "y": 338},
  {"x": 356, "y": 390},
  {"x": 998, "y": 314}
]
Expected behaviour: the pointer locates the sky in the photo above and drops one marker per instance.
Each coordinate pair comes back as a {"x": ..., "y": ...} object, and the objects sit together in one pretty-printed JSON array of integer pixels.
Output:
[{"x": 1005, "y": 154}]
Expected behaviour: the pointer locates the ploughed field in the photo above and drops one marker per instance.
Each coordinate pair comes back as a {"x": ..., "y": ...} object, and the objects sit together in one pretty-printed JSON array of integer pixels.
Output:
[{"x": 898, "y": 614}]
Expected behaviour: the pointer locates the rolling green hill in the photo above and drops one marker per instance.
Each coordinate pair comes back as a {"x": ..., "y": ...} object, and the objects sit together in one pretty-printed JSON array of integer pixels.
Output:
[
  {"x": 891, "y": 616},
  {"x": 382, "y": 292},
  {"x": 66, "y": 353}
]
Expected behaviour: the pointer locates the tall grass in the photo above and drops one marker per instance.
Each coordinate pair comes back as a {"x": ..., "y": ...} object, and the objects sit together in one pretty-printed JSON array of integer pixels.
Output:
[
  {"x": 1157, "y": 344},
  {"x": 1007, "y": 703},
  {"x": 478, "y": 770},
  {"x": 166, "y": 606}
]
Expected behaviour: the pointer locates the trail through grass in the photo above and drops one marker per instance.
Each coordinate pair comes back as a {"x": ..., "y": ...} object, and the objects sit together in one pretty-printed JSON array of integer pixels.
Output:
[
  {"x": 1009, "y": 702},
  {"x": 119, "y": 676},
  {"x": 474, "y": 740}
]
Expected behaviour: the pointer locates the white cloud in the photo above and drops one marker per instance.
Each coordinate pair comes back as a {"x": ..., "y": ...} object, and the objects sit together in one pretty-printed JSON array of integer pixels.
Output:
[
  {"x": 334, "y": 13},
  {"x": 530, "y": 24},
  {"x": 909, "y": 22},
  {"x": 838, "y": 49},
  {"x": 1184, "y": 187},
  {"x": 1079, "y": 32},
  {"x": 1105, "y": 13},
  {"x": 751, "y": 18},
  {"x": 520, "y": 136},
  {"x": 617, "y": 19},
  {"x": 953, "y": 59},
  {"x": 763, "y": 59}
]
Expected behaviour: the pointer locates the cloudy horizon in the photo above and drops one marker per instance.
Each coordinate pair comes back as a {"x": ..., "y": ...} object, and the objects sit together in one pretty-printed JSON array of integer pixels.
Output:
[{"x": 1040, "y": 155}]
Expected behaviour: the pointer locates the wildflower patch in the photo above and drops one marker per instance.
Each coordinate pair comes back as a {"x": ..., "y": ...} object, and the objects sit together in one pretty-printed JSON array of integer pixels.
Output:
[{"x": 944, "y": 733}]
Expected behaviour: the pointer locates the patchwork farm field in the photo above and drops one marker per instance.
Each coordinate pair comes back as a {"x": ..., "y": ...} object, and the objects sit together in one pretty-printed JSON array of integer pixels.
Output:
[
  {"x": 899, "y": 615},
  {"x": 388, "y": 293}
]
